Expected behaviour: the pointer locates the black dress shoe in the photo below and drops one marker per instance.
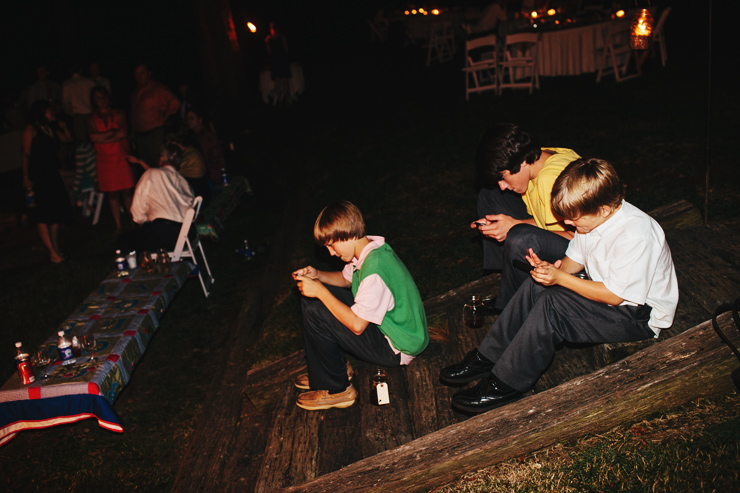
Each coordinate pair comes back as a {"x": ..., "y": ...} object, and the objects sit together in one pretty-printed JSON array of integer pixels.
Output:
[
  {"x": 490, "y": 393},
  {"x": 474, "y": 366}
]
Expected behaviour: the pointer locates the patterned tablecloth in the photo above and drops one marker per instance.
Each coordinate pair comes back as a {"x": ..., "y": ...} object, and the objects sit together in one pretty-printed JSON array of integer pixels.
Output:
[{"x": 123, "y": 314}]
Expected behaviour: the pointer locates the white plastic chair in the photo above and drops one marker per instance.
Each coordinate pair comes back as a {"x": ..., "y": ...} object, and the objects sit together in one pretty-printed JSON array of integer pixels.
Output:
[
  {"x": 518, "y": 66},
  {"x": 441, "y": 45},
  {"x": 481, "y": 65},
  {"x": 614, "y": 56},
  {"x": 183, "y": 240},
  {"x": 659, "y": 37}
]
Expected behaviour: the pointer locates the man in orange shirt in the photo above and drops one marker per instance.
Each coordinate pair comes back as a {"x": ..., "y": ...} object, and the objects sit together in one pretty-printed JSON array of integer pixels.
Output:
[{"x": 151, "y": 104}]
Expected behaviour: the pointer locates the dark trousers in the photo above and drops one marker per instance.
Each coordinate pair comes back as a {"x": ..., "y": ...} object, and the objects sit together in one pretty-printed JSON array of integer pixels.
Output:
[
  {"x": 523, "y": 339},
  {"x": 499, "y": 255},
  {"x": 151, "y": 236},
  {"x": 326, "y": 340}
]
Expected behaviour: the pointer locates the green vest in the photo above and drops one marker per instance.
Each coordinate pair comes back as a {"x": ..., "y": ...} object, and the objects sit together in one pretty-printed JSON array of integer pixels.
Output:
[{"x": 406, "y": 324}]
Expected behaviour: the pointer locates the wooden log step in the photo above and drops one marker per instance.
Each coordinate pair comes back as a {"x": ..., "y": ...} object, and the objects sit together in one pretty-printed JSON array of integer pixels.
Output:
[{"x": 690, "y": 365}]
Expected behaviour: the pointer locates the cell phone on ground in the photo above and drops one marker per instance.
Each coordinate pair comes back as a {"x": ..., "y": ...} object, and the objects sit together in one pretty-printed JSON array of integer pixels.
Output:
[{"x": 521, "y": 265}]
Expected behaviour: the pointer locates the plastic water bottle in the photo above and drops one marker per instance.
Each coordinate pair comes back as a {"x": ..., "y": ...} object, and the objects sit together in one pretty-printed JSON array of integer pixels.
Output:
[
  {"x": 65, "y": 349},
  {"x": 23, "y": 363}
]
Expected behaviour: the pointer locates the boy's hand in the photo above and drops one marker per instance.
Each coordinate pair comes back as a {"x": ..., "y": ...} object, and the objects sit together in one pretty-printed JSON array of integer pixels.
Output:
[
  {"x": 309, "y": 287},
  {"x": 544, "y": 273},
  {"x": 307, "y": 271},
  {"x": 495, "y": 226}
]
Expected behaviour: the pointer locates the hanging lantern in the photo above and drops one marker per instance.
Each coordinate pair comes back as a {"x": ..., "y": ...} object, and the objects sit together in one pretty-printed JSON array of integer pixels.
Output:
[{"x": 641, "y": 30}]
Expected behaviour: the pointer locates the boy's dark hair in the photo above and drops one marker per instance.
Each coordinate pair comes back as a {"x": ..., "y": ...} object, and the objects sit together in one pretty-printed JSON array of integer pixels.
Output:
[
  {"x": 584, "y": 186},
  {"x": 504, "y": 147},
  {"x": 340, "y": 221}
]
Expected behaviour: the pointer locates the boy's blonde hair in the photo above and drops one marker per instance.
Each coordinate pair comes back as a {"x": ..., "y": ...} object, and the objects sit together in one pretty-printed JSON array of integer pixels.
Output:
[
  {"x": 340, "y": 221},
  {"x": 584, "y": 186}
]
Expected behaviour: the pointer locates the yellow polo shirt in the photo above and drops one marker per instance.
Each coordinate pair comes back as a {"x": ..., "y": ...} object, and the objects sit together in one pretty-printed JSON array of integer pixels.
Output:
[{"x": 539, "y": 188}]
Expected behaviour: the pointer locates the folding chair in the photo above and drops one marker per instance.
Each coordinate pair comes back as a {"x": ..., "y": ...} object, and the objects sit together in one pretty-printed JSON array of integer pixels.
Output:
[
  {"x": 441, "y": 43},
  {"x": 184, "y": 240},
  {"x": 481, "y": 65},
  {"x": 659, "y": 37},
  {"x": 92, "y": 201},
  {"x": 614, "y": 56},
  {"x": 518, "y": 65}
]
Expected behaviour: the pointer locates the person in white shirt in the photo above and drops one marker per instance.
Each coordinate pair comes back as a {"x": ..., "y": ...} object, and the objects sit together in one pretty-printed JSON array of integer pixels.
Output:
[
  {"x": 629, "y": 292},
  {"x": 161, "y": 200}
]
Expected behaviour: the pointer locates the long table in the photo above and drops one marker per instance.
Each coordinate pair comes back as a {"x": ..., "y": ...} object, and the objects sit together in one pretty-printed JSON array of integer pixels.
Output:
[
  {"x": 123, "y": 314},
  {"x": 572, "y": 51}
]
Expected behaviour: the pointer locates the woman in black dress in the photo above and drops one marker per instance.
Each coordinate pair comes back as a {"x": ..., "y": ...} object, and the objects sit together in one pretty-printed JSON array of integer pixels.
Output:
[{"x": 51, "y": 205}]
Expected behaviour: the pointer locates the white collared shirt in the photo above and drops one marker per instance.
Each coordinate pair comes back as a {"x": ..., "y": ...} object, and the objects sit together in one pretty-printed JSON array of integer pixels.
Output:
[
  {"x": 629, "y": 254},
  {"x": 162, "y": 193}
]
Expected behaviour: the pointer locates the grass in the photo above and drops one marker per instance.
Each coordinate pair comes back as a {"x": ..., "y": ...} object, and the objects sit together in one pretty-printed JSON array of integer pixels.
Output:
[
  {"x": 692, "y": 448},
  {"x": 398, "y": 139}
]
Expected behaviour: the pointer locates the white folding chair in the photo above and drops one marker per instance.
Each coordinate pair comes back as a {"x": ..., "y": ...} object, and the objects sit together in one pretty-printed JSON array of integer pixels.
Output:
[
  {"x": 659, "y": 37},
  {"x": 92, "y": 201},
  {"x": 518, "y": 65},
  {"x": 614, "y": 56},
  {"x": 183, "y": 240},
  {"x": 481, "y": 65},
  {"x": 441, "y": 43}
]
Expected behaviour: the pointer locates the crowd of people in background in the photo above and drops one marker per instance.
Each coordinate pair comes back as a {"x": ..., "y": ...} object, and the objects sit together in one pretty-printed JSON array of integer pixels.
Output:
[{"x": 75, "y": 125}]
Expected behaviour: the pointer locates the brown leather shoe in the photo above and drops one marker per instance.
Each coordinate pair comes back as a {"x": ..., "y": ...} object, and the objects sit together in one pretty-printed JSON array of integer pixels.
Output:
[
  {"x": 302, "y": 383},
  {"x": 321, "y": 399}
]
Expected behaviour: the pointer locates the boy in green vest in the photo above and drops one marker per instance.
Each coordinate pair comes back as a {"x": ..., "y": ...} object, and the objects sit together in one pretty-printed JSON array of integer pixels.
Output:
[{"x": 370, "y": 309}]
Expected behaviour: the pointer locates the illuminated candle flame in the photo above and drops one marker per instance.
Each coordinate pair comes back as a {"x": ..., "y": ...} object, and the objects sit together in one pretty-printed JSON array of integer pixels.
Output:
[
  {"x": 533, "y": 14},
  {"x": 620, "y": 13},
  {"x": 435, "y": 11},
  {"x": 551, "y": 12},
  {"x": 251, "y": 27}
]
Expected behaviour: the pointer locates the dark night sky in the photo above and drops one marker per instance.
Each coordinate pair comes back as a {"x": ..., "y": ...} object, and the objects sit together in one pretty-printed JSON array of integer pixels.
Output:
[
  {"x": 55, "y": 32},
  {"x": 161, "y": 31}
]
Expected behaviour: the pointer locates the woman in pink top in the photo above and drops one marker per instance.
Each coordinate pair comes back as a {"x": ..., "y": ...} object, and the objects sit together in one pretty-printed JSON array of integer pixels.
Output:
[{"x": 107, "y": 129}]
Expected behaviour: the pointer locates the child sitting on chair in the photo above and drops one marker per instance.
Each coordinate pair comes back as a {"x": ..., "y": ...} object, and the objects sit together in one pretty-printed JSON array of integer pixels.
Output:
[
  {"x": 371, "y": 309},
  {"x": 631, "y": 295}
]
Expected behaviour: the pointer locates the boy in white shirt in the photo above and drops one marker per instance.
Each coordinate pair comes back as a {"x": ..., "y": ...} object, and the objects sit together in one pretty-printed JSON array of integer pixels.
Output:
[{"x": 631, "y": 295}]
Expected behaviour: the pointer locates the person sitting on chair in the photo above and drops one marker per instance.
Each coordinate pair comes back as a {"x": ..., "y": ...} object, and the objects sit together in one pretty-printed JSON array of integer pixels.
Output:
[{"x": 161, "y": 200}]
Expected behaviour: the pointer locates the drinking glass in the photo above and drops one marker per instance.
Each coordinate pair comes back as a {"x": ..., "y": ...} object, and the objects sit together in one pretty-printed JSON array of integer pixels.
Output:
[
  {"x": 41, "y": 360},
  {"x": 88, "y": 344}
]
